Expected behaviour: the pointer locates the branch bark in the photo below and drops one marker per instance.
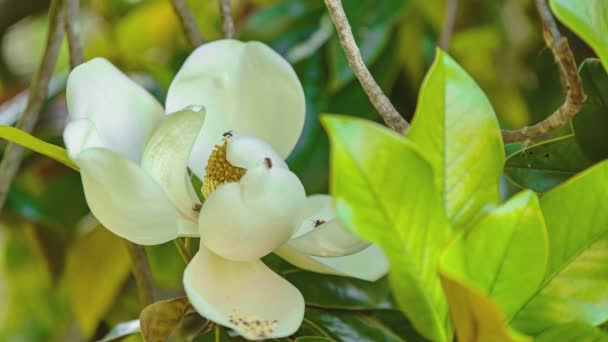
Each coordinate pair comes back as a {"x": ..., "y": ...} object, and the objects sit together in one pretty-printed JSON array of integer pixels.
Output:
[
  {"x": 575, "y": 96},
  {"x": 189, "y": 26},
  {"x": 448, "y": 24},
  {"x": 385, "y": 108},
  {"x": 13, "y": 154},
  {"x": 227, "y": 20},
  {"x": 72, "y": 29},
  {"x": 141, "y": 273}
]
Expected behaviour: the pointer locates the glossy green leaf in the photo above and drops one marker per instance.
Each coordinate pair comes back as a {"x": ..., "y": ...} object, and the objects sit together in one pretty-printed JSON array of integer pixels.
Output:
[
  {"x": 158, "y": 320},
  {"x": 216, "y": 334},
  {"x": 18, "y": 136},
  {"x": 122, "y": 330},
  {"x": 349, "y": 326},
  {"x": 476, "y": 318},
  {"x": 313, "y": 339},
  {"x": 456, "y": 128},
  {"x": 505, "y": 255},
  {"x": 543, "y": 166},
  {"x": 591, "y": 122},
  {"x": 588, "y": 19},
  {"x": 573, "y": 332},
  {"x": 398, "y": 323},
  {"x": 371, "y": 23},
  {"x": 574, "y": 284},
  {"x": 404, "y": 215},
  {"x": 97, "y": 266}
]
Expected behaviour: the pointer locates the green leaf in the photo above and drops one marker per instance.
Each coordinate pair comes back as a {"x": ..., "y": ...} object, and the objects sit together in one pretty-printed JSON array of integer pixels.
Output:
[
  {"x": 476, "y": 318},
  {"x": 588, "y": 19},
  {"x": 398, "y": 323},
  {"x": 573, "y": 332},
  {"x": 217, "y": 334},
  {"x": 97, "y": 267},
  {"x": 349, "y": 326},
  {"x": 545, "y": 165},
  {"x": 376, "y": 200},
  {"x": 505, "y": 255},
  {"x": 372, "y": 23},
  {"x": 17, "y": 136},
  {"x": 591, "y": 122},
  {"x": 313, "y": 339},
  {"x": 158, "y": 320},
  {"x": 456, "y": 128},
  {"x": 122, "y": 330},
  {"x": 574, "y": 284}
]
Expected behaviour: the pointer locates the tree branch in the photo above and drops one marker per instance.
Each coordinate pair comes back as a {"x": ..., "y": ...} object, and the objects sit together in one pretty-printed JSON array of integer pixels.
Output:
[
  {"x": 191, "y": 30},
  {"x": 72, "y": 30},
  {"x": 448, "y": 24},
  {"x": 387, "y": 111},
  {"x": 13, "y": 154},
  {"x": 141, "y": 273},
  {"x": 227, "y": 20},
  {"x": 575, "y": 96}
]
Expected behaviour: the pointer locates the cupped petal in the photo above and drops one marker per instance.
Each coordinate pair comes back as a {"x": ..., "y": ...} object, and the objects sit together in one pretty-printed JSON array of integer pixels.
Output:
[
  {"x": 166, "y": 155},
  {"x": 369, "y": 264},
  {"x": 247, "y": 151},
  {"x": 246, "y": 220},
  {"x": 320, "y": 233},
  {"x": 122, "y": 112},
  {"x": 247, "y": 297},
  {"x": 125, "y": 199},
  {"x": 247, "y": 88}
]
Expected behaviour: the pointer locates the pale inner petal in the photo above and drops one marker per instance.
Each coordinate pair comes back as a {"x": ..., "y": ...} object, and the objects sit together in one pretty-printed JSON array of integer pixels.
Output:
[{"x": 245, "y": 296}]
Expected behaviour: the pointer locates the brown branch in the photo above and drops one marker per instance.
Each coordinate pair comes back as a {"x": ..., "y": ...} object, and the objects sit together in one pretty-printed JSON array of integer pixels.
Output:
[
  {"x": 575, "y": 96},
  {"x": 13, "y": 154},
  {"x": 141, "y": 273},
  {"x": 191, "y": 30},
  {"x": 72, "y": 30},
  {"x": 387, "y": 111},
  {"x": 227, "y": 20},
  {"x": 448, "y": 24}
]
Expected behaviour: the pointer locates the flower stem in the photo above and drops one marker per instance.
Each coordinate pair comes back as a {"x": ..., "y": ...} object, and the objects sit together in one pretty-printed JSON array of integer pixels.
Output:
[
  {"x": 191, "y": 30},
  {"x": 141, "y": 273},
  {"x": 227, "y": 20},
  {"x": 183, "y": 248},
  {"x": 73, "y": 32}
]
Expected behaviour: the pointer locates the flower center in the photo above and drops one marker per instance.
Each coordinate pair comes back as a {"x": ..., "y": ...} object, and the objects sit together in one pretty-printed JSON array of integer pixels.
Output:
[{"x": 219, "y": 170}]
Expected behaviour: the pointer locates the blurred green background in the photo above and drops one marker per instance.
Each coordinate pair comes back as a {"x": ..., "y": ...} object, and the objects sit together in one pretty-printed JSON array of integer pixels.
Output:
[{"x": 63, "y": 279}]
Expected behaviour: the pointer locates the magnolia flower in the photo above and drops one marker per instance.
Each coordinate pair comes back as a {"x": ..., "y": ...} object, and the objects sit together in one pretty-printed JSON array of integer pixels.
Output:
[{"x": 233, "y": 113}]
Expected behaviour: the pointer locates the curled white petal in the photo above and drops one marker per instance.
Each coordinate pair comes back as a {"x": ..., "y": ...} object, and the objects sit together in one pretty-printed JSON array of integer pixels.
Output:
[
  {"x": 369, "y": 264},
  {"x": 246, "y": 220},
  {"x": 244, "y": 296},
  {"x": 245, "y": 87},
  {"x": 166, "y": 155},
  {"x": 122, "y": 113}
]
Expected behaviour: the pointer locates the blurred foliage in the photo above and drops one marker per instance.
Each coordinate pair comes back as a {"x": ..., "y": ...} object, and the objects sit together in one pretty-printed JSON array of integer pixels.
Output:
[{"x": 65, "y": 280}]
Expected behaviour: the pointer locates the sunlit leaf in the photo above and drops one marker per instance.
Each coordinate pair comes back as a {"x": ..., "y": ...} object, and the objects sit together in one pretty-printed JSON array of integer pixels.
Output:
[
  {"x": 97, "y": 267},
  {"x": 591, "y": 122},
  {"x": 456, "y": 128},
  {"x": 476, "y": 318},
  {"x": 505, "y": 255},
  {"x": 17, "y": 136},
  {"x": 573, "y": 332},
  {"x": 404, "y": 215},
  {"x": 543, "y": 166},
  {"x": 574, "y": 284},
  {"x": 158, "y": 320},
  {"x": 588, "y": 19}
]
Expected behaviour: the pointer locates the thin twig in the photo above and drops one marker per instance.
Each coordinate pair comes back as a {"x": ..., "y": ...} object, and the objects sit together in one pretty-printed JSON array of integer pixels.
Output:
[
  {"x": 183, "y": 250},
  {"x": 141, "y": 273},
  {"x": 191, "y": 30},
  {"x": 387, "y": 111},
  {"x": 227, "y": 20},
  {"x": 448, "y": 24},
  {"x": 72, "y": 30},
  {"x": 575, "y": 96},
  {"x": 13, "y": 154}
]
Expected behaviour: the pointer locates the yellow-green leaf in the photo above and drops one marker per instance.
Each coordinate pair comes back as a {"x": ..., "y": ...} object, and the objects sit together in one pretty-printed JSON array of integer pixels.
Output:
[
  {"x": 28, "y": 141},
  {"x": 158, "y": 320}
]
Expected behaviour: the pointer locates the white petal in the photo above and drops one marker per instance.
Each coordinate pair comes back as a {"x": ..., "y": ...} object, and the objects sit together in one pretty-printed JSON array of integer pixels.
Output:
[
  {"x": 248, "y": 152},
  {"x": 122, "y": 112},
  {"x": 245, "y": 87},
  {"x": 247, "y": 220},
  {"x": 320, "y": 233},
  {"x": 370, "y": 264},
  {"x": 224, "y": 291},
  {"x": 79, "y": 135},
  {"x": 125, "y": 199},
  {"x": 166, "y": 155}
]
